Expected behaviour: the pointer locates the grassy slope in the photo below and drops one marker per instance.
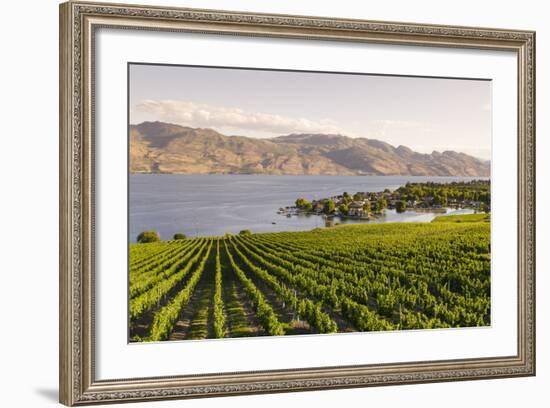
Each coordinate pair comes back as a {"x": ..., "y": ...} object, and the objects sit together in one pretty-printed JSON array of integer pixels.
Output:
[
  {"x": 463, "y": 218},
  {"x": 424, "y": 241},
  {"x": 390, "y": 232}
]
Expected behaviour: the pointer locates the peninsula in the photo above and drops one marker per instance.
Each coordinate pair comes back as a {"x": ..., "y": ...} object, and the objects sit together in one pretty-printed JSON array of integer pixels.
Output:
[{"x": 423, "y": 197}]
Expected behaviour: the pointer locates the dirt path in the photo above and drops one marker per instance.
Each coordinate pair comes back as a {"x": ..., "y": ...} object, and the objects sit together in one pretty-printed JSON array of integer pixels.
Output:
[
  {"x": 193, "y": 322},
  {"x": 240, "y": 316},
  {"x": 201, "y": 324},
  {"x": 284, "y": 313}
]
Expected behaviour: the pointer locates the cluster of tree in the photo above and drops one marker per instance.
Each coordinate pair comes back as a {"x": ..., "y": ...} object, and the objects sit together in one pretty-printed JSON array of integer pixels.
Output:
[
  {"x": 304, "y": 204},
  {"x": 329, "y": 207},
  {"x": 148, "y": 236},
  {"x": 347, "y": 199},
  {"x": 470, "y": 193},
  {"x": 400, "y": 206},
  {"x": 380, "y": 205},
  {"x": 153, "y": 236},
  {"x": 442, "y": 193},
  {"x": 343, "y": 208}
]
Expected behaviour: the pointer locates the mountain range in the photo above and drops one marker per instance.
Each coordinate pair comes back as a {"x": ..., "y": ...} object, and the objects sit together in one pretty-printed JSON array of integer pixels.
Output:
[{"x": 158, "y": 147}]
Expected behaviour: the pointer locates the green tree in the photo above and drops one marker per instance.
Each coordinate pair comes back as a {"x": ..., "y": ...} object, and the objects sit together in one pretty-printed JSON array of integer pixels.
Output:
[
  {"x": 245, "y": 232},
  {"x": 485, "y": 208},
  {"x": 179, "y": 235},
  {"x": 307, "y": 207},
  {"x": 400, "y": 206},
  {"x": 343, "y": 209},
  {"x": 148, "y": 236},
  {"x": 381, "y": 205},
  {"x": 357, "y": 197},
  {"x": 302, "y": 202},
  {"x": 444, "y": 198},
  {"x": 367, "y": 207},
  {"x": 329, "y": 207}
]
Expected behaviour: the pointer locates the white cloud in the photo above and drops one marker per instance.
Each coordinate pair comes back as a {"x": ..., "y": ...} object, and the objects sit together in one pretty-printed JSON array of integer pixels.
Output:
[
  {"x": 406, "y": 132},
  {"x": 231, "y": 119},
  {"x": 387, "y": 127},
  {"x": 420, "y": 136}
]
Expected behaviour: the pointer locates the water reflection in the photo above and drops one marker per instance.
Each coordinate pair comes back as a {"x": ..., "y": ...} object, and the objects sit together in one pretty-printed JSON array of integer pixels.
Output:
[{"x": 218, "y": 204}]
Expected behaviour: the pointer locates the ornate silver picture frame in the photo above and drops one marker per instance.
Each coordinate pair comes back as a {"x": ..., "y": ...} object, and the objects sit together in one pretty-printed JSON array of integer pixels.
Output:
[{"x": 79, "y": 22}]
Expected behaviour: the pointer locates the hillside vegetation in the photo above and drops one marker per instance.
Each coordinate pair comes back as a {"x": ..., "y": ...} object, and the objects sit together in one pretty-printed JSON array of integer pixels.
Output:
[
  {"x": 481, "y": 217},
  {"x": 341, "y": 279},
  {"x": 157, "y": 147}
]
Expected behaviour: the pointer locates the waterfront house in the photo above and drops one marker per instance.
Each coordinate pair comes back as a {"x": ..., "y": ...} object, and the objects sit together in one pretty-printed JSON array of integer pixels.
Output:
[
  {"x": 318, "y": 206},
  {"x": 356, "y": 209}
]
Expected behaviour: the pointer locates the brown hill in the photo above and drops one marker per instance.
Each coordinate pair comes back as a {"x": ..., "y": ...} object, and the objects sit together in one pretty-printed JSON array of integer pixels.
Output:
[{"x": 157, "y": 147}]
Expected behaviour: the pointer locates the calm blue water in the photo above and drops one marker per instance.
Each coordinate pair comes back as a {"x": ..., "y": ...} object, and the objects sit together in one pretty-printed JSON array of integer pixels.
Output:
[{"x": 218, "y": 204}]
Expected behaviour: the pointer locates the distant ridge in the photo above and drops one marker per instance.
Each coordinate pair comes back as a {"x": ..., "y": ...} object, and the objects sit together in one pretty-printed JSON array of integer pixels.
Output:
[{"x": 158, "y": 147}]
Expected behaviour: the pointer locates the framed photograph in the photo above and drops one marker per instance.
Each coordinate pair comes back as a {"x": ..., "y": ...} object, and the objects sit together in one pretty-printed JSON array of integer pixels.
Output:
[{"x": 256, "y": 203}]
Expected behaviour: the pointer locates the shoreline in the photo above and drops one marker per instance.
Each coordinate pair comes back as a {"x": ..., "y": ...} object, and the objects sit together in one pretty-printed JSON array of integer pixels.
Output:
[
  {"x": 337, "y": 225},
  {"x": 189, "y": 206}
]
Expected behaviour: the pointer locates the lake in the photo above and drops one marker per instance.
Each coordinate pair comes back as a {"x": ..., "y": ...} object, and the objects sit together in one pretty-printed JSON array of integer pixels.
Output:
[{"x": 205, "y": 205}]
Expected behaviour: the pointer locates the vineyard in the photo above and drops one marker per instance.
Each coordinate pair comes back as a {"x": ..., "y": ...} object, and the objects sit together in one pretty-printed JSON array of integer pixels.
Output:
[{"x": 339, "y": 279}]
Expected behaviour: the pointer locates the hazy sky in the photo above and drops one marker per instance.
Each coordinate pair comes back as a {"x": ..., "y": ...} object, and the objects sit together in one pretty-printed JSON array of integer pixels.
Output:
[{"x": 425, "y": 114}]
